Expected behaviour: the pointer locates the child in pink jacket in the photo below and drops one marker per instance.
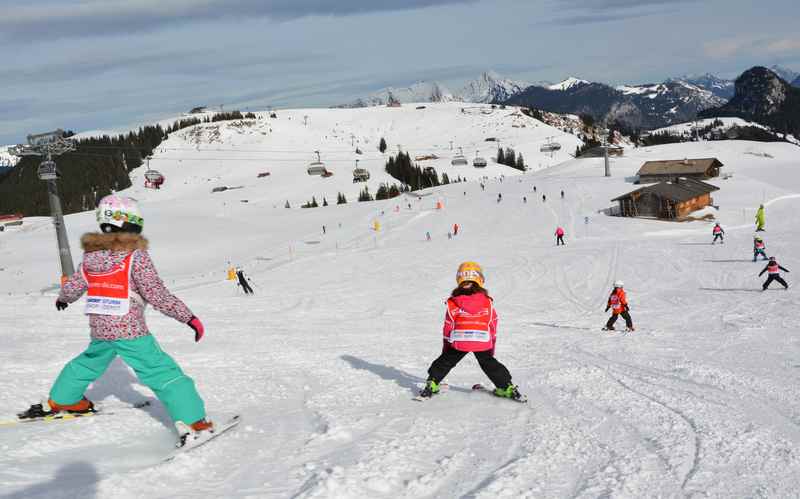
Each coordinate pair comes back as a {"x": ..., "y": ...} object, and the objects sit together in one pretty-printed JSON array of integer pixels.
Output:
[
  {"x": 470, "y": 325},
  {"x": 119, "y": 279}
]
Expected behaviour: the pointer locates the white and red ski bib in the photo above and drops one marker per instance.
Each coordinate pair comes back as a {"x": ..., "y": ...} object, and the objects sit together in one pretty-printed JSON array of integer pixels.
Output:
[{"x": 109, "y": 292}]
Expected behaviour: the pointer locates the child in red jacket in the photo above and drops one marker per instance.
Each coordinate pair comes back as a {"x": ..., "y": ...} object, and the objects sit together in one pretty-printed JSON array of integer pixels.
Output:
[{"x": 470, "y": 325}]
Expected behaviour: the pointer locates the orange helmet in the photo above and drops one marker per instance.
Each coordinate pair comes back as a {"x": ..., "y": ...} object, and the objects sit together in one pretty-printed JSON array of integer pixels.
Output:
[{"x": 470, "y": 271}]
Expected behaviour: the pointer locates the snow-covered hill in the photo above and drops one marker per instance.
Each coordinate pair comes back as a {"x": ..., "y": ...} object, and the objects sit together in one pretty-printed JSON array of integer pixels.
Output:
[
  {"x": 232, "y": 154},
  {"x": 323, "y": 360}
]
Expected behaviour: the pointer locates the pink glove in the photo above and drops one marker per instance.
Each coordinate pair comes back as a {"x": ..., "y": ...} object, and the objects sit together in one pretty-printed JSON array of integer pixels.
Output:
[{"x": 198, "y": 328}]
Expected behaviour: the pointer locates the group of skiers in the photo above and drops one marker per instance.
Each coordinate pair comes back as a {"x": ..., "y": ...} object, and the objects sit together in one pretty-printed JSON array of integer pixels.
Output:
[
  {"x": 772, "y": 268},
  {"x": 120, "y": 279}
]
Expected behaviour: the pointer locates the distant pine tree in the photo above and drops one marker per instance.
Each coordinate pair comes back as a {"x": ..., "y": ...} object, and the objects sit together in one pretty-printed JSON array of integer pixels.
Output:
[
  {"x": 382, "y": 146},
  {"x": 510, "y": 157},
  {"x": 520, "y": 163},
  {"x": 501, "y": 157},
  {"x": 324, "y": 201},
  {"x": 287, "y": 205},
  {"x": 364, "y": 195},
  {"x": 341, "y": 199}
]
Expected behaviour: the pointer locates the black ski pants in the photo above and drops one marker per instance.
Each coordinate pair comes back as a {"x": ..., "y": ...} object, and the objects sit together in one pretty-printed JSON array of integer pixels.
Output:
[
  {"x": 496, "y": 371},
  {"x": 774, "y": 277},
  {"x": 245, "y": 286},
  {"x": 625, "y": 315},
  {"x": 560, "y": 240},
  {"x": 718, "y": 236}
]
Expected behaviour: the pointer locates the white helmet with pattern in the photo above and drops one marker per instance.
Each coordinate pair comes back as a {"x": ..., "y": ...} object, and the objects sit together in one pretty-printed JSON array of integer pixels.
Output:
[
  {"x": 119, "y": 214},
  {"x": 618, "y": 284}
]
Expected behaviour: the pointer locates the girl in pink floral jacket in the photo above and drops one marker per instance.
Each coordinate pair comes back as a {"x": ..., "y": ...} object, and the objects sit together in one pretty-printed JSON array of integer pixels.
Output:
[{"x": 119, "y": 279}]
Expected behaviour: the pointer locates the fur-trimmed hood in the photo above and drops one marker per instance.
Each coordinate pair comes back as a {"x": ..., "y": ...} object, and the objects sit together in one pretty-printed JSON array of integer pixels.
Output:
[{"x": 113, "y": 241}]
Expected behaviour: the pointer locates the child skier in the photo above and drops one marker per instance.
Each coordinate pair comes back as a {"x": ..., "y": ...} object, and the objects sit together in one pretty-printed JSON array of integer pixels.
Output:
[
  {"x": 718, "y": 234},
  {"x": 470, "y": 325},
  {"x": 759, "y": 248},
  {"x": 760, "y": 219},
  {"x": 560, "y": 236},
  {"x": 120, "y": 279},
  {"x": 773, "y": 269},
  {"x": 618, "y": 303},
  {"x": 244, "y": 282}
]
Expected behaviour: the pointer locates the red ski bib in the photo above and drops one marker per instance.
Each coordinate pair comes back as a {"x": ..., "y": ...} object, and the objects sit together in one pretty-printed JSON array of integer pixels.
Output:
[
  {"x": 109, "y": 292},
  {"x": 471, "y": 331}
]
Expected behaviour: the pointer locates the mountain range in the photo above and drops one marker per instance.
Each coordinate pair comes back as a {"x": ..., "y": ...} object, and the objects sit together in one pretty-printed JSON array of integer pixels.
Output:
[
  {"x": 647, "y": 106},
  {"x": 763, "y": 96}
]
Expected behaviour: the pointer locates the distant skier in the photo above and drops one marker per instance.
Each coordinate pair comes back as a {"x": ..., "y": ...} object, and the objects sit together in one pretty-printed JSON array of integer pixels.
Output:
[
  {"x": 244, "y": 282},
  {"x": 324, "y": 230},
  {"x": 120, "y": 279},
  {"x": 499, "y": 197},
  {"x": 774, "y": 271},
  {"x": 455, "y": 229},
  {"x": 718, "y": 234},
  {"x": 428, "y": 236},
  {"x": 534, "y": 188},
  {"x": 525, "y": 199},
  {"x": 618, "y": 303},
  {"x": 562, "y": 194},
  {"x": 760, "y": 219},
  {"x": 470, "y": 325},
  {"x": 759, "y": 248},
  {"x": 544, "y": 198},
  {"x": 560, "y": 236}
]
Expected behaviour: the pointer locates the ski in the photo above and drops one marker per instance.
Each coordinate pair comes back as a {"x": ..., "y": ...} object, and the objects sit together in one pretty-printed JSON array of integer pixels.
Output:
[
  {"x": 187, "y": 443},
  {"x": 442, "y": 388},
  {"x": 66, "y": 416},
  {"x": 480, "y": 388}
]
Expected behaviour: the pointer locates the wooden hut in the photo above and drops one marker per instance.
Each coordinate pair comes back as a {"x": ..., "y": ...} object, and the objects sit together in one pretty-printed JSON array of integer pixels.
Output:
[
  {"x": 669, "y": 170},
  {"x": 668, "y": 200}
]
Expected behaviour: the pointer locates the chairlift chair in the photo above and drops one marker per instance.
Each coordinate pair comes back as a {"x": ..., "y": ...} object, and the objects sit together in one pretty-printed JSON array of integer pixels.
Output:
[
  {"x": 317, "y": 167},
  {"x": 459, "y": 159},
  {"x": 550, "y": 146},
  {"x": 153, "y": 179}
]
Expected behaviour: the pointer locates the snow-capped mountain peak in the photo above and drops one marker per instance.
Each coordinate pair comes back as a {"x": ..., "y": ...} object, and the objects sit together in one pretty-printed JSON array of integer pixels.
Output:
[
  {"x": 422, "y": 91},
  {"x": 568, "y": 83},
  {"x": 788, "y": 75},
  {"x": 490, "y": 87}
]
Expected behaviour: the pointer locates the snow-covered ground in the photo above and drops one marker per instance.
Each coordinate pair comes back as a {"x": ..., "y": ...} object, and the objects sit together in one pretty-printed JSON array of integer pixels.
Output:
[
  {"x": 689, "y": 128},
  {"x": 7, "y": 159},
  {"x": 702, "y": 400}
]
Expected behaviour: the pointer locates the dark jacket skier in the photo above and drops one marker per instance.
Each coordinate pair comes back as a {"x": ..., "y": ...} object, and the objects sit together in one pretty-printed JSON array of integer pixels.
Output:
[{"x": 773, "y": 269}]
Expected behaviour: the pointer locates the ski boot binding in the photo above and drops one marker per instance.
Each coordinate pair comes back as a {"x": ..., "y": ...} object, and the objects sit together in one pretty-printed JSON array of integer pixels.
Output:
[
  {"x": 510, "y": 392},
  {"x": 193, "y": 434},
  {"x": 431, "y": 388},
  {"x": 50, "y": 408}
]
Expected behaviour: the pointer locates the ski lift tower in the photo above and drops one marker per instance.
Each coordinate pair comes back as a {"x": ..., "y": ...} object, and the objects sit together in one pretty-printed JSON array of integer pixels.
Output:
[
  {"x": 604, "y": 136},
  {"x": 48, "y": 145}
]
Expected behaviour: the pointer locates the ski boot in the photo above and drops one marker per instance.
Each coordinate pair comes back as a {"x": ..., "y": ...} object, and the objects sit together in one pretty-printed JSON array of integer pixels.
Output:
[
  {"x": 630, "y": 329},
  {"x": 195, "y": 433},
  {"x": 609, "y": 328},
  {"x": 510, "y": 392},
  {"x": 50, "y": 408},
  {"x": 431, "y": 389}
]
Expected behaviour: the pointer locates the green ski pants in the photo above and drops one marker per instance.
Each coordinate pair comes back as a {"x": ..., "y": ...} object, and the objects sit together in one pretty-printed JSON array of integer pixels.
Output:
[{"x": 152, "y": 366}]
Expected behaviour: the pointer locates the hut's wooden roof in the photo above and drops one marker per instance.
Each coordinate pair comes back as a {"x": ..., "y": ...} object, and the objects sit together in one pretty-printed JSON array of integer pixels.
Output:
[
  {"x": 679, "y": 166},
  {"x": 683, "y": 189}
]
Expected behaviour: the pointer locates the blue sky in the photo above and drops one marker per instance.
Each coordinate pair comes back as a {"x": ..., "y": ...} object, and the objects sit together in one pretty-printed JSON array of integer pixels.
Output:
[{"x": 89, "y": 64}]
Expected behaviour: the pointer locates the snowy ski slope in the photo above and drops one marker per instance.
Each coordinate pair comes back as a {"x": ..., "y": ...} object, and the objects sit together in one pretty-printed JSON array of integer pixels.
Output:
[{"x": 702, "y": 400}]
